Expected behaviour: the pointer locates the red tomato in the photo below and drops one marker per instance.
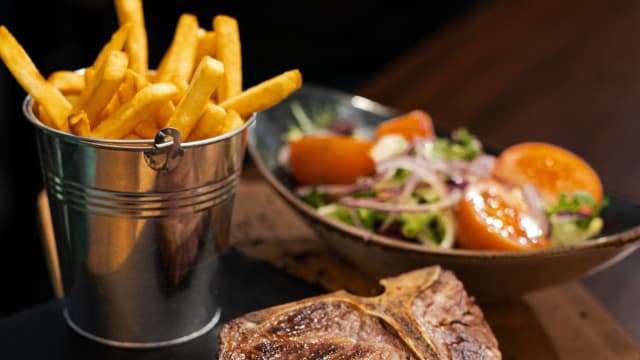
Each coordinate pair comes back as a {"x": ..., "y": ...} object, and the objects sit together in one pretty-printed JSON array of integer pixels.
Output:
[
  {"x": 490, "y": 217},
  {"x": 551, "y": 168},
  {"x": 330, "y": 160},
  {"x": 416, "y": 123}
]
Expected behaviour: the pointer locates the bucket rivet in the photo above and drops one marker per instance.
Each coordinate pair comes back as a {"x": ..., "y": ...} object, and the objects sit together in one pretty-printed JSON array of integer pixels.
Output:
[{"x": 167, "y": 150}]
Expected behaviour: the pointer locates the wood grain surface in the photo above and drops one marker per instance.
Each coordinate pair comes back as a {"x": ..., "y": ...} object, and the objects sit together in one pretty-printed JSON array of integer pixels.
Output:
[
  {"x": 566, "y": 72},
  {"x": 561, "y": 71},
  {"x": 562, "y": 322}
]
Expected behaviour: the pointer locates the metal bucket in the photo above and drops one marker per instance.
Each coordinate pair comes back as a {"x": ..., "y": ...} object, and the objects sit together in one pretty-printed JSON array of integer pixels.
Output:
[{"x": 138, "y": 226}]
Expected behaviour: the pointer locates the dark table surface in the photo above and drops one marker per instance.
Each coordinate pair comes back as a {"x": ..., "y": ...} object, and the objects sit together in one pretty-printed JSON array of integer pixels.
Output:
[
  {"x": 247, "y": 284},
  {"x": 567, "y": 72},
  {"x": 561, "y": 322}
]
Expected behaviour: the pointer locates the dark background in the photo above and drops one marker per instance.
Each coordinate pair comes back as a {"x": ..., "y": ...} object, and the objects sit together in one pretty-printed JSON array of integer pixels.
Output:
[{"x": 333, "y": 43}]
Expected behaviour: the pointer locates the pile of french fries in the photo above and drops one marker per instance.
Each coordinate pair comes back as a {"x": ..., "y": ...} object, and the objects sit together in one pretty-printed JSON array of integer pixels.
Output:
[{"x": 196, "y": 88}]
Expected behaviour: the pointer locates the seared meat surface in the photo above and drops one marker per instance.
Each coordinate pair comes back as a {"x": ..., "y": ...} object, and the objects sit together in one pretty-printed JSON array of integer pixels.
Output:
[{"x": 424, "y": 314}]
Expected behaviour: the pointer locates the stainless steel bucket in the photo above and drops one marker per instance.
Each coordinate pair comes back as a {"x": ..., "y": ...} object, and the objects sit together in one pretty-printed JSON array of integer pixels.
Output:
[{"x": 138, "y": 227}]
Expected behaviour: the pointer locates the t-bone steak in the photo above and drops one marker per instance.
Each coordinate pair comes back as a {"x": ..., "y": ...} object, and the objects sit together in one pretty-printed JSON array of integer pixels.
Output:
[{"x": 423, "y": 314}]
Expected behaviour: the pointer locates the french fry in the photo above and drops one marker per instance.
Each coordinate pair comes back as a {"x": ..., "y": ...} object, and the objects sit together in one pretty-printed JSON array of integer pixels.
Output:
[
  {"x": 128, "y": 88},
  {"x": 116, "y": 43},
  {"x": 232, "y": 121},
  {"x": 130, "y": 11},
  {"x": 25, "y": 72},
  {"x": 117, "y": 96},
  {"x": 133, "y": 136},
  {"x": 216, "y": 121},
  {"x": 229, "y": 52},
  {"x": 146, "y": 129},
  {"x": 79, "y": 123},
  {"x": 189, "y": 109},
  {"x": 265, "y": 94},
  {"x": 44, "y": 116},
  {"x": 142, "y": 107},
  {"x": 179, "y": 59},
  {"x": 72, "y": 98},
  {"x": 160, "y": 118},
  {"x": 89, "y": 73},
  {"x": 210, "y": 124},
  {"x": 182, "y": 86},
  {"x": 103, "y": 86},
  {"x": 164, "y": 114},
  {"x": 140, "y": 81},
  {"x": 206, "y": 45},
  {"x": 67, "y": 81},
  {"x": 109, "y": 109}
]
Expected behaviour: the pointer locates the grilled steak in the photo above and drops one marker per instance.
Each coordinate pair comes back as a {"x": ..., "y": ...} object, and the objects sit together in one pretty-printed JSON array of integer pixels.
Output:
[{"x": 423, "y": 314}]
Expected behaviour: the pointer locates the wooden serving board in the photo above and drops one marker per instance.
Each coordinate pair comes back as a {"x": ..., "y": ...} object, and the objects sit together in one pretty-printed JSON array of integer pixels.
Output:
[{"x": 562, "y": 322}]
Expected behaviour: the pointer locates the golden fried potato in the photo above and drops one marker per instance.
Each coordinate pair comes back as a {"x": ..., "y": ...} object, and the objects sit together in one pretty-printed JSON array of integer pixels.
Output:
[
  {"x": 210, "y": 123},
  {"x": 25, "y": 72},
  {"x": 206, "y": 45},
  {"x": 204, "y": 82},
  {"x": 103, "y": 86},
  {"x": 130, "y": 11},
  {"x": 79, "y": 123},
  {"x": 265, "y": 94},
  {"x": 146, "y": 129},
  {"x": 197, "y": 87},
  {"x": 178, "y": 61},
  {"x": 69, "y": 82},
  {"x": 116, "y": 43},
  {"x": 229, "y": 52},
  {"x": 142, "y": 107}
]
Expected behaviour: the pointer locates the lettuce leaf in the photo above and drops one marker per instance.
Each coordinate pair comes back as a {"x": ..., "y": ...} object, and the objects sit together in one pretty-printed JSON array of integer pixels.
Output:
[{"x": 462, "y": 146}]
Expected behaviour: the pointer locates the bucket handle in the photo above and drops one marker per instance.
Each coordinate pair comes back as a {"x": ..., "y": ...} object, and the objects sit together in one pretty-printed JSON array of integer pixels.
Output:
[{"x": 167, "y": 150}]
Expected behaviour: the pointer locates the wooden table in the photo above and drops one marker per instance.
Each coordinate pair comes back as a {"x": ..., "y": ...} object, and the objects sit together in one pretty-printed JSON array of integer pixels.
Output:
[
  {"x": 512, "y": 70},
  {"x": 562, "y": 322},
  {"x": 567, "y": 72}
]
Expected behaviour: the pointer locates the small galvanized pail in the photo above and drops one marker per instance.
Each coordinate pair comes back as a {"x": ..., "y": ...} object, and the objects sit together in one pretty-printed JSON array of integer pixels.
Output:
[{"x": 138, "y": 227}]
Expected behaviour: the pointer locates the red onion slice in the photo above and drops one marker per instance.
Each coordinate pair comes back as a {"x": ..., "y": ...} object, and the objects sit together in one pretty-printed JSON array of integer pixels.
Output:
[
  {"x": 284, "y": 154},
  {"x": 533, "y": 200},
  {"x": 482, "y": 166},
  {"x": 418, "y": 166}
]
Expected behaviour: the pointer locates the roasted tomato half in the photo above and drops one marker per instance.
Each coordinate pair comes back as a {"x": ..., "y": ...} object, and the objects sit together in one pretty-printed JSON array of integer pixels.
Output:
[
  {"x": 552, "y": 169},
  {"x": 330, "y": 160},
  {"x": 492, "y": 216},
  {"x": 416, "y": 123}
]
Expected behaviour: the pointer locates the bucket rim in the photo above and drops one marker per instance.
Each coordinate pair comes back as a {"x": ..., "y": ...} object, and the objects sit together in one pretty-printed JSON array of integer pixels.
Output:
[{"x": 123, "y": 144}]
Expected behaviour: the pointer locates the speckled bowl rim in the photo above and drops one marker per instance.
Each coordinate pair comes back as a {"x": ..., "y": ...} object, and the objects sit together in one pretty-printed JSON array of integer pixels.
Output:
[{"x": 620, "y": 239}]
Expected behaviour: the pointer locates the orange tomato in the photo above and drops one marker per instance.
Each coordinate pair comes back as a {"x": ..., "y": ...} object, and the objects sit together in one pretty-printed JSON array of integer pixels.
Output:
[
  {"x": 551, "y": 168},
  {"x": 416, "y": 123},
  {"x": 491, "y": 217},
  {"x": 330, "y": 160}
]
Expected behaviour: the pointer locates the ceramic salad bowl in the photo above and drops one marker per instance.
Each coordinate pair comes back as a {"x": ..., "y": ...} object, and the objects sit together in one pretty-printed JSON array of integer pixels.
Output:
[{"x": 487, "y": 275}]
